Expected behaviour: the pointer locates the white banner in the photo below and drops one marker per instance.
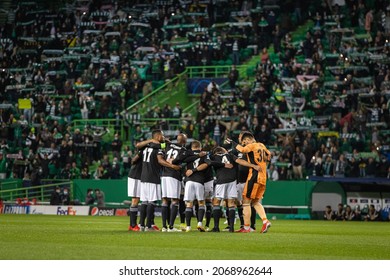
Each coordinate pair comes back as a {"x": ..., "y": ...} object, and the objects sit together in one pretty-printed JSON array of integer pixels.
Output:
[
  {"x": 59, "y": 210},
  {"x": 192, "y": 269},
  {"x": 386, "y": 200},
  {"x": 364, "y": 199}
]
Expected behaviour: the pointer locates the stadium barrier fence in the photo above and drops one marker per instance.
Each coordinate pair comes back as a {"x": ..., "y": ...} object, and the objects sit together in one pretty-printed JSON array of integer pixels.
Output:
[
  {"x": 41, "y": 192},
  {"x": 216, "y": 71}
]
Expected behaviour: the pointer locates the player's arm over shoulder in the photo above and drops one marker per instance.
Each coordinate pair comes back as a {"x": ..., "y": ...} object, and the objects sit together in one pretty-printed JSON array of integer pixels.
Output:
[
  {"x": 266, "y": 151},
  {"x": 211, "y": 161},
  {"x": 145, "y": 143},
  {"x": 248, "y": 148},
  {"x": 163, "y": 162}
]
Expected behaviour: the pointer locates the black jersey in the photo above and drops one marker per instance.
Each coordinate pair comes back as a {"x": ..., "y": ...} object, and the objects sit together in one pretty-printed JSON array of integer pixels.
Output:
[
  {"x": 136, "y": 168},
  {"x": 198, "y": 176},
  {"x": 151, "y": 169},
  {"x": 242, "y": 171},
  {"x": 224, "y": 175},
  {"x": 209, "y": 173},
  {"x": 175, "y": 152}
]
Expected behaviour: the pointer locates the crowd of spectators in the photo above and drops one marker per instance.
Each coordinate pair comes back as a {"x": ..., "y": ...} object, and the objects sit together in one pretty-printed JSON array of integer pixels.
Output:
[
  {"x": 320, "y": 102},
  {"x": 91, "y": 59}
]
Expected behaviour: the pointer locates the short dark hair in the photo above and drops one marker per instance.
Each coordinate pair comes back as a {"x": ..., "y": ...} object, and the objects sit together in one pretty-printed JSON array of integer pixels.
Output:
[
  {"x": 247, "y": 135},
  {"x": 196, "y": 144},
  {"x": 155, "y": 132},
  {"x": 218, "y": 150}
]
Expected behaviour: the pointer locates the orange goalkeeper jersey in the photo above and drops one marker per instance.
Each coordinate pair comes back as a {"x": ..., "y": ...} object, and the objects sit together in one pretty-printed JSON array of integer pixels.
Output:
[{"x": 259, "y": 155}]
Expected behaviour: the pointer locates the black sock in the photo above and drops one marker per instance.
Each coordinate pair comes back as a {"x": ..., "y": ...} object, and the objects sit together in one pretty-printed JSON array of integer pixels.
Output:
[
  {"x": 182, "y": 209},
  {"x": 174, "y": 210},
  {"x": 164, "y": 214},
  {"x": 150, "y": 215},
  {"x": 169, "y": 210},
  {"x": 188, "y": 214},
  {"x": 196, "y": 209},
  {"x": 208, "y": 213},
  {"x": 253, "y": 218},
  {"x": 142, "y": 215},
  {"x": 240, "y": 215},
  {"x": 129, "y": 213},
  {"x": 232, "y": 216},
  {"x": 217, "y": 212},
  {"x": 133, "y": 215},
  {"x": 201, "y": 212}
]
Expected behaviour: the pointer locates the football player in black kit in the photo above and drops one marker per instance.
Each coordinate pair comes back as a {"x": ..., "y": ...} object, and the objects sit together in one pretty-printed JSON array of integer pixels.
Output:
[
  {"x": 225, "y": 166},
  {"x": 194, "y": 186},
  {"x": 134, "y": 189},
  {"x": 208, "y": 194},
  {"x": 171, "y": 183},
  {"x": 152, "y": 161}
]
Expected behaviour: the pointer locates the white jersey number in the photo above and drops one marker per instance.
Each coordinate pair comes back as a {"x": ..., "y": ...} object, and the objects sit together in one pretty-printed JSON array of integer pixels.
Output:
[
  {"x": 147, "y": 152},
  {"x": 196, "y": 163},
  {"x": 225, "y": 160},
  {"x": 172, "y": 153}
]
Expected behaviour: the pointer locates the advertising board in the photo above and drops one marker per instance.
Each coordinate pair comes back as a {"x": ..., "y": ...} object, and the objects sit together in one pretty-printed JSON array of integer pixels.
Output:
[{"x": 59, "y": 210}]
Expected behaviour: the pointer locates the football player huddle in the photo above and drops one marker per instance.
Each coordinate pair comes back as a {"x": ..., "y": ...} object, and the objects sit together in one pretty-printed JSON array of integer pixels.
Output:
[{"x": 195, "y": 183}]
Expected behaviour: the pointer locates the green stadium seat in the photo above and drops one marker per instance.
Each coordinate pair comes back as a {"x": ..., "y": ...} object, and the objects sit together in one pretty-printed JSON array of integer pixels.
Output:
[
  {"x": 228, "y": 62},
  {"x": 248, "y": 51},
  {"x": 77, "y": 116},
  {"x": 250, "y": 71},
  {"x": 157, "y": 84},
  {"x": 300, "y": 59},
  {"x": 274, "y": 58}
]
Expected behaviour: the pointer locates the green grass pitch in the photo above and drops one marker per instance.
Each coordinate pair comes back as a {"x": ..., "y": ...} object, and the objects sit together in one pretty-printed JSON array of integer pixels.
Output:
[{"x": 77, "y": 237}]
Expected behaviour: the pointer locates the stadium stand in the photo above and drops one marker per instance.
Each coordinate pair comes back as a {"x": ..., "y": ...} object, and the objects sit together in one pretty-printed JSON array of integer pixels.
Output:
[
  {"x": 318, "y": 97},
  {"x": 320, "y": 101},
  {"x": 62, "y": 64}
]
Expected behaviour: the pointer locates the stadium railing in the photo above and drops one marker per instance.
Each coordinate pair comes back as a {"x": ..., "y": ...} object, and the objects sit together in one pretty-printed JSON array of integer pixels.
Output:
[
  {"x": 216, "y": 71},
  {"x": 153, "y": 97},
  {"x": 172, "y": 123},
  {"x": 9, "y": 184},
  {"x": 192, "y": 108},
  {"x": 41, "y": 192}
]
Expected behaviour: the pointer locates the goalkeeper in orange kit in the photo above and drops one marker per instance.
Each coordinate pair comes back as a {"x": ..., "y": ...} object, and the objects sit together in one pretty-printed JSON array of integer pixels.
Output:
[{"x": 255, "y": 184}]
